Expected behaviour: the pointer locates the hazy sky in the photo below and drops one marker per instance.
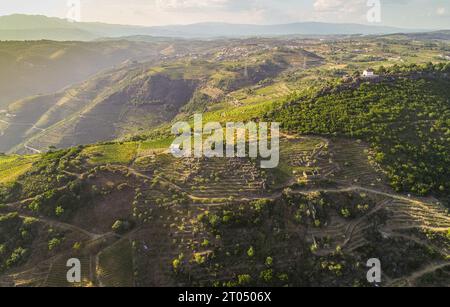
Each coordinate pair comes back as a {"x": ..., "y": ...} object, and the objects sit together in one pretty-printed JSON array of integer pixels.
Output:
[{"x": 431, "y": 14}]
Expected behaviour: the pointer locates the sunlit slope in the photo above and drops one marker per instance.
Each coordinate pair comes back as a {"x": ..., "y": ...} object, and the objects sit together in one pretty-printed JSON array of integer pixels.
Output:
[
  {"x": 43, "y": 67},
  {"x": 95, "y": 110},
  {"x": 405, "y": 118}
]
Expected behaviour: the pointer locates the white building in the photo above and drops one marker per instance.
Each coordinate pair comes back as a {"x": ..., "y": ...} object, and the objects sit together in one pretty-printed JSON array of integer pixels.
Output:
[{"x": 369, "y": 73}]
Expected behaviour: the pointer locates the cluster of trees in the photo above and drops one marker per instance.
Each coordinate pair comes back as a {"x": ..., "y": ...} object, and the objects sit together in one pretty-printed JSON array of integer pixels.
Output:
[
  {"x": 414, "y": 68},
  {"x": 63, "y": 203},
  {"x": 46, "y": 174},
  {"x": 238, "y": 216},
  {"x": 256, "y": 240},
  {"x": 198, "y": 103},
  {"x": 44, "y": 182},
  {"x": 16, "y": 238},
  {"x": 406, "y": 121},
  {"x": 401, "y": 257},
  {"x": 350, "y": 205},
  {"x": 9, "y": 192}
]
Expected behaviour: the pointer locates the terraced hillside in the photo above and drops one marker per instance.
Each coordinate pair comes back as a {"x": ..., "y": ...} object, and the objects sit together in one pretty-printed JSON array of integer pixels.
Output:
[{"x": 147, "y": 219}]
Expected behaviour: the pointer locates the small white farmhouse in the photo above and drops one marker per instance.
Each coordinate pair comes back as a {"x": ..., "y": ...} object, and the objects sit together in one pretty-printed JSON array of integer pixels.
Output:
[{"x": 369, "y": 73}]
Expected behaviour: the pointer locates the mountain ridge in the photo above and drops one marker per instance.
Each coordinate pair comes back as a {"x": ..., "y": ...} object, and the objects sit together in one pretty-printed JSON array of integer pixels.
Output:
[{"x": 31, "y": 27}]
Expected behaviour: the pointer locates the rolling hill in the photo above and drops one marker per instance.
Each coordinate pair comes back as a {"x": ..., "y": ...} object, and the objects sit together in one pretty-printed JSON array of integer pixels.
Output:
[
  {"x": 30, "y": 27},
  {"x": 130, "y": 99}
]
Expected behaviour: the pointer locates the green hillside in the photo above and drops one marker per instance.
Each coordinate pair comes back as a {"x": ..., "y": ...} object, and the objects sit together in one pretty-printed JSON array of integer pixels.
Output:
[{"x": 406, "y": 121}]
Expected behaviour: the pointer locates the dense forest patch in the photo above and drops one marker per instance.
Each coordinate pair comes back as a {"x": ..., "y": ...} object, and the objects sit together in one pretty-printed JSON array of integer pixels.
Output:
[{"x": 16, "y": 238}]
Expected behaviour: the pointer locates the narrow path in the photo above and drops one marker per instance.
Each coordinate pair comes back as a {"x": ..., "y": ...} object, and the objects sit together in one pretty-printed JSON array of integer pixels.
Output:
[
  {"x": 23, "y": 201},
  {"x": 414, "y": 239},
  {"x": 17, "y": 124},
  {"x": 37, "y": 128},
  {"x": 32, "y": 149},
  {"x": 416, "y": 275},
  {"x": 271, "y": 197},
  {"x": 62, "y": 225}
]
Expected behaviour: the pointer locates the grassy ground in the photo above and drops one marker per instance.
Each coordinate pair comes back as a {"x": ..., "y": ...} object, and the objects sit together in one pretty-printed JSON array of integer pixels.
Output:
[
  {"x": 11, "y": 167},
  {"x": 111, "y": 153},
  {"x": 237, "y": 114},
  {"x": 156, "y": 144}
]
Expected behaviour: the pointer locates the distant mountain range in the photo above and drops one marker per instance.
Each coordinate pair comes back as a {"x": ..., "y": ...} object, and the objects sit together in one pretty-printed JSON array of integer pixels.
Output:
[{"x": 33, "y": 27}]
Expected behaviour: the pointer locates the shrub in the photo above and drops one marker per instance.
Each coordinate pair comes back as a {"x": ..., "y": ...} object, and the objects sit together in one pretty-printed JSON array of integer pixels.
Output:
[
  {"x": 199, "y": 259},
  {"x": 176, "y": 264},
  {"x": 345, "y": 213},
  {"x": 59, "y": 211},
  {"x": 267, "y": 275},
  {"x": 54, "y": 243},
  {"x": 251, "y": 252},
  {"x": 16, "y": 257},
  {"x": 244, "y": 279},
  {"x": 121, "y": 226}
]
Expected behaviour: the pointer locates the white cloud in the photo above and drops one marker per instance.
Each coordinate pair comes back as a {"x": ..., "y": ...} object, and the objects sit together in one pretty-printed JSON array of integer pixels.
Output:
[
  {"x": 441, "y": 11},
  {"x": 341, "y": 10},
  {"x": 327, "y": 5},
  {"x": 402, "y": 13},
  {"x": 348, "y": 6},
  {"x": 184, "y": 4}
]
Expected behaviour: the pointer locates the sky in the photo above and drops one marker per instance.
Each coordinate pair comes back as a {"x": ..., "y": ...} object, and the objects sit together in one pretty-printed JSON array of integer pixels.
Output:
[{"x": 415, "y": 14}]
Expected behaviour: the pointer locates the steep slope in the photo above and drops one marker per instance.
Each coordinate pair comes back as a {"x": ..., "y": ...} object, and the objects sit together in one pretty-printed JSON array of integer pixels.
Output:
[
  {"x": 43, "y": 67},
  {"x": 97, "y": 109},
  {"x": 132, "y": 98},
  {"x": 25, "y": 113},
  {"x": 404, "y": 116}
]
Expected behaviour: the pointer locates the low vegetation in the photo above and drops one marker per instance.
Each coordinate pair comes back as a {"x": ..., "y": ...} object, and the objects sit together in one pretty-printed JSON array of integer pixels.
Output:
[{"x": 404, "y": 120}]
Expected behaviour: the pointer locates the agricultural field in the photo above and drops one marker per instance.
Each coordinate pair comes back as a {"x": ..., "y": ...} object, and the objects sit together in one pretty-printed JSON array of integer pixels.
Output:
[
  {"x": 111, "y": 153},
  {"x": 11, "y": 167}
]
